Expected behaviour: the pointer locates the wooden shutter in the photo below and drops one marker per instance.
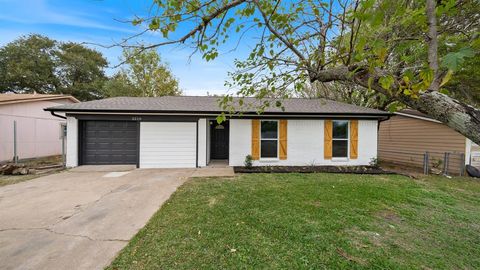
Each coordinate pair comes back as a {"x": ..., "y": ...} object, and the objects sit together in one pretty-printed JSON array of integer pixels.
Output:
[
  {"x": 353, "y": 139},
  {"x": 283, "y": 139},
  {"x": 255, "y": 139},
  {"x": 327, "y": 139}
]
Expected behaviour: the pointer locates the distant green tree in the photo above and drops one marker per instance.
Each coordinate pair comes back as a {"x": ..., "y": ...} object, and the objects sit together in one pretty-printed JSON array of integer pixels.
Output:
[
  {"x": 144, "y": 74},
  {"x": 28, "y": 64},
  {"x": 37, "y": 63},
  {"x": 80, "y": 71},
  {"x": 120, "y": 86}
]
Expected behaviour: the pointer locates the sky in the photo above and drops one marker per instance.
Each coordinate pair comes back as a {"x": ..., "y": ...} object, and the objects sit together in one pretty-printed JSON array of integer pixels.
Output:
[{"x": 99, "y": 22}]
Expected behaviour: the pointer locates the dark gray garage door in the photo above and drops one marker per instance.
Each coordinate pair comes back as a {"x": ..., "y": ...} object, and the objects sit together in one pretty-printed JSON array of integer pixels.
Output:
[{"x": 109, "y": 142}]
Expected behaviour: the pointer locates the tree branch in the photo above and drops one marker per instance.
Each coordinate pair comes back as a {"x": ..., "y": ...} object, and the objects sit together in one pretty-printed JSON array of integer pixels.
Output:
[
  {"x": 461, "y": 117},
  {"x": 432, "y": 44},
  {"x": 278, "y": 35}
]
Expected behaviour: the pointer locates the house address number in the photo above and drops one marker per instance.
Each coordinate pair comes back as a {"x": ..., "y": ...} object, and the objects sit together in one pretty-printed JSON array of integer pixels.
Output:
[{"x": 136, "y": 118}]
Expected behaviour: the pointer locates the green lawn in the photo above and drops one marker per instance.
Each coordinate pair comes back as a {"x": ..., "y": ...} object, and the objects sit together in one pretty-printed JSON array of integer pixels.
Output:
[{"x": 313, "y": 221}]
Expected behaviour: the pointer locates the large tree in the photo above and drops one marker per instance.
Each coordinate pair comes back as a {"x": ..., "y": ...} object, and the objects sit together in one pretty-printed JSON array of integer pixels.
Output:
[
  {"x": 349, "y": 93},
  {"x": 119, "y": 85},
  {"x": 36, "y": 63},
  {"x": 144, "y": 74},
  {"x": 406, "y": 50},
  {"x": 27, "y": 64},
  {"x": 80, "y": 71}
]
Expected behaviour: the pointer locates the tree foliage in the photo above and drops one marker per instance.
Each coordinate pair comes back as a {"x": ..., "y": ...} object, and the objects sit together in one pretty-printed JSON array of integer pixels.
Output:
[
  {"x": 144, "y": 74},
  {"x": 80, "y": 71},
  {"x": 28, "y": 64},
  {"x": 120, "y": 86},
  {"x": 36, "y": 63},
  {"x": 348, "y": 93},
  {"x": 406, "y": 50}
]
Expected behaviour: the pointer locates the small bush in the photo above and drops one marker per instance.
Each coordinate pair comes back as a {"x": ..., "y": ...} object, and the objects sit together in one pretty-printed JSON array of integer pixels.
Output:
[
  {"x": 374, "y": 162},
  {"x": 248, "y": 161}
]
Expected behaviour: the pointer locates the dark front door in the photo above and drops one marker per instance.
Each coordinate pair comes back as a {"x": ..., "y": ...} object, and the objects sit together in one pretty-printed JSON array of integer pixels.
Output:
[
  {"x": 219, "y": 140},
  {"x": 109, "y": 142}
]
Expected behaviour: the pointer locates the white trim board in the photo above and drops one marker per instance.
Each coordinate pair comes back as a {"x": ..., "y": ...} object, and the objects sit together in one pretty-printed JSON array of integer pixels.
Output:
[{"x": 418, "y": 117}]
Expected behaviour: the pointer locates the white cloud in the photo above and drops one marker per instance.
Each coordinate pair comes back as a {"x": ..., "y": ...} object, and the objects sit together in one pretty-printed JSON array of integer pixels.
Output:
[{"x": 40, "y": 12}]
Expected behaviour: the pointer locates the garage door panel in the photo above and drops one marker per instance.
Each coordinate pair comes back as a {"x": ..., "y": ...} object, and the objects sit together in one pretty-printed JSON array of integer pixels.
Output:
[
  {"x": 109, "y": 142},
  {"x": 169, "y": 147},
  {"x": 168, "y": 144},
  {"x": 157, "y": 158}
]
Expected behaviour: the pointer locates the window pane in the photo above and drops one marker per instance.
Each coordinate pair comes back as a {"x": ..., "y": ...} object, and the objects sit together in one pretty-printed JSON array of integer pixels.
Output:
[
  {"x": 340, "y": 149},
  {"x": 269, "y": 149},
  {"x": 340, "y": 129},
  {"x": 269, "y": 129}
]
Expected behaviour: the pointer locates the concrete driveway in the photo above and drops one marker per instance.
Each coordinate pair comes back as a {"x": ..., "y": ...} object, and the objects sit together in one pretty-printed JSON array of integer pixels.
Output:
[{"x": 79, "y": 219}]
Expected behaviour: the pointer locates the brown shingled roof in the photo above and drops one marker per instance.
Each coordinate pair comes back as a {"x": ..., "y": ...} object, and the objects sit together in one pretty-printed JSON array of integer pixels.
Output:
[{"x": 206, "y": 104}]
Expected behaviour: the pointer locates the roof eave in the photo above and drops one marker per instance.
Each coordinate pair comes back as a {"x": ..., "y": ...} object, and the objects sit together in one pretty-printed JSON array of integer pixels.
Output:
[
  {"x": 209, "y": 113},
  {"x": 417, "y": 117},
  {"x": 73, "y": 99}
]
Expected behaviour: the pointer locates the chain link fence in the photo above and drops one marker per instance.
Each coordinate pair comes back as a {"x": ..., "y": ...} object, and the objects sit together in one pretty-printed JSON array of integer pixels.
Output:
[{"x": 440, "y": 163}]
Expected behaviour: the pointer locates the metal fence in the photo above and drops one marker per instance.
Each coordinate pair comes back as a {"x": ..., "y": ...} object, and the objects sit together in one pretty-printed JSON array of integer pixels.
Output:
[{"x": 430, "y": 162}]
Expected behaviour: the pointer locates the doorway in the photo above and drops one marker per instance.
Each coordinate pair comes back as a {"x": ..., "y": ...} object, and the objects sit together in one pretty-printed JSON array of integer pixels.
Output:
[{"x": 219, "y": 138}]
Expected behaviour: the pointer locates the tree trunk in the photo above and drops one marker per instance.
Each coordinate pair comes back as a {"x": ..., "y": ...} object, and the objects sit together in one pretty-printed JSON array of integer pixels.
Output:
[
  {"x": 460, "y": 116},
  {"x": 432, "y": 43}
]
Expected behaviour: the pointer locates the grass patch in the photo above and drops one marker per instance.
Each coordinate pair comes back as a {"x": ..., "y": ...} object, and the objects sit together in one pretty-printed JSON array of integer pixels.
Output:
[
  {"x": 312, "y": 221},
  {"x": 13, "y": 179},
  {"x": 31, "y": 163}
]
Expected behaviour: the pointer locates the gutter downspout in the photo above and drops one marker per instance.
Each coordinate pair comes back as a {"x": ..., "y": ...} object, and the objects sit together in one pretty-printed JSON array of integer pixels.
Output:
[
  {"x": 57, "y": 115},
  {"x": 382, "y": 120},
  {"x": 63, "y": 139}
]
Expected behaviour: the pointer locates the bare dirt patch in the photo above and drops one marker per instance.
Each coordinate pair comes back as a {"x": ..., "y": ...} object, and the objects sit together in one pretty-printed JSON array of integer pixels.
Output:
[
  {"x": 389, "y": 216},
  {"x": 351, "y": 258}
]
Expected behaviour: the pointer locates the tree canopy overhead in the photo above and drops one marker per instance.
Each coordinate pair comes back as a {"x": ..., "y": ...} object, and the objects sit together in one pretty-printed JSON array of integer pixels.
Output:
[{"x": 409, "y": 51}]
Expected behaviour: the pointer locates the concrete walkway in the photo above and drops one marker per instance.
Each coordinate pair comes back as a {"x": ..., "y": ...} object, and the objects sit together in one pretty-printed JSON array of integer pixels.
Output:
[
  {"x": 216, "y": 168},
  {"x": 79, "y": 219}
]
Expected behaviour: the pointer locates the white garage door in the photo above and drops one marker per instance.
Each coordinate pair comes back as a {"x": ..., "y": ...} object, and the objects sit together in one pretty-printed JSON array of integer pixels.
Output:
[{"x": 168, "y": 144}]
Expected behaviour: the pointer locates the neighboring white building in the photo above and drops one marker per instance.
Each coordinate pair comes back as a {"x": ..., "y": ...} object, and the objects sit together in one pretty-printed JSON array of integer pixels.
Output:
[
  {"x": 38, "y": 131},
  {"x": 177, "y": 132}
]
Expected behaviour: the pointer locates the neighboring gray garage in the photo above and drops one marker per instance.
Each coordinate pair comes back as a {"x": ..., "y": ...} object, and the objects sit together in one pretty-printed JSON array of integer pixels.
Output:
[{"x": 108, "y": 142}]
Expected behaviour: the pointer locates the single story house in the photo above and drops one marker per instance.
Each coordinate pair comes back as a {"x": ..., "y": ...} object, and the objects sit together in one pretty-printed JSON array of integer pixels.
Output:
[
  {"x": 38, "y": 133},
  {"x": 172, "y": 132},
  {"x": 408, "y": 135}
]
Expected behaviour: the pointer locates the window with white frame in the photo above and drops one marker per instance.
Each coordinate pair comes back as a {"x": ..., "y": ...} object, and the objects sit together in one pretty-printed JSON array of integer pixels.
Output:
[
  {"x": 340, "y": 139},
  {"x": 269, "y": 139}
]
